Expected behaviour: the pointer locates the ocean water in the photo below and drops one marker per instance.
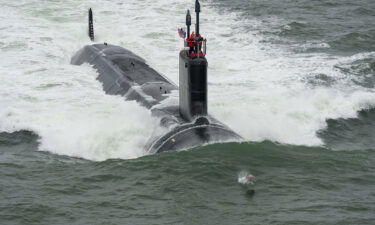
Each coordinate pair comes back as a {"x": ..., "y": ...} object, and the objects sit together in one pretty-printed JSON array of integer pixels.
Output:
[{"x": 295, "y": 78}]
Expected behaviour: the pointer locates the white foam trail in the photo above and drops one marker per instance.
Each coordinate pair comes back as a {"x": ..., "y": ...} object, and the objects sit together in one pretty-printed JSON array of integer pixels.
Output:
[
  {"x": 246, "y": 178},
  {"x": 63, "y": 104},
  {"x": 258, "y": 89},
  {"x": 263, "y": 88}
]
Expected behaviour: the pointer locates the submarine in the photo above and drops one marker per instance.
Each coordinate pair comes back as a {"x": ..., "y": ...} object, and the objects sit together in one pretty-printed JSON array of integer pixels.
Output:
[{"x": 187, "y": 124}]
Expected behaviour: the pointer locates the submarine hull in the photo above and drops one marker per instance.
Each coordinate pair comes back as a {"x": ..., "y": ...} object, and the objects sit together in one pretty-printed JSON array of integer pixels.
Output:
[{"x": 124, "y": 73}]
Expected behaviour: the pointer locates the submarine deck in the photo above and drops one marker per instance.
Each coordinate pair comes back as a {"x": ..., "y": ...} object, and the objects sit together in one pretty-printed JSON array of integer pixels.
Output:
[{"x": 124, "y": 73}]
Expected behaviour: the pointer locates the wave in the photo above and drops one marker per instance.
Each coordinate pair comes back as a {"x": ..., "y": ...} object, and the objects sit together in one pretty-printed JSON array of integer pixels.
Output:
[
  {"x": 262, "y": 90},
  {"x": 352, "y": 133}
]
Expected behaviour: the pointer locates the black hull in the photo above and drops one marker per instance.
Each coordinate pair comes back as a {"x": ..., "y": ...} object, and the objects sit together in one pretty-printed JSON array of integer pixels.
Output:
[{"x": 124, "y": 73}]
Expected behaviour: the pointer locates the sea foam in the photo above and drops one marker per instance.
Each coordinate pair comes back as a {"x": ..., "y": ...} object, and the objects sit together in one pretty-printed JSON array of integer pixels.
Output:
[{"x": 259, "y": 89}]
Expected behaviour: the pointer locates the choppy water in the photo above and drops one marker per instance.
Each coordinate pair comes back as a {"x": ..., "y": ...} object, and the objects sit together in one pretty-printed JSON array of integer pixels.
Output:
[{"x": 295, "y": 78}]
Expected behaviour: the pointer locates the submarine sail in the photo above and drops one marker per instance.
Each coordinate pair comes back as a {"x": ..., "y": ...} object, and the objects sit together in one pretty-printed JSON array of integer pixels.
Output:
[{"x": 124, "y": 73}]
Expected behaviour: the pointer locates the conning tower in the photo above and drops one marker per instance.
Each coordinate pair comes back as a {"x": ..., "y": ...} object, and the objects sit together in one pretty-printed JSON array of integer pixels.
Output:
[{"x": 193, "y": 72}]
